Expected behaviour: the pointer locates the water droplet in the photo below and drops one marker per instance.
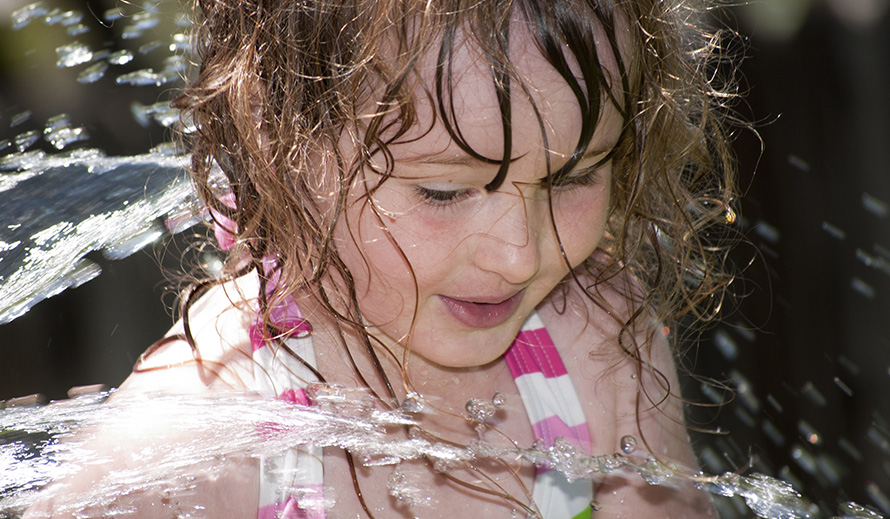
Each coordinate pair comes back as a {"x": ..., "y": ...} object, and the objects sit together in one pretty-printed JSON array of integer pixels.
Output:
[
  {"x": 767, "y": 231},
  {"x": 139, "y": 23},
  {"x": 113, "y": 14},
  {"x": 809, "y": 433},
  {"x": 773, "y": 432},
  {"x": 834, "y": 231},
  {"x": 442, "y": 465},
  {"x": 121, "y": 57},
  {"x": 73, "y": 54},
  {"x": 148, "y": 47},
  {"x": 726, "y": 344},
  {"x": 161, "y": 112},
  {"x": 499, "y": 399},
  {"x": 595, "y": 506},
  {"x": 799, "y": 163},
  {"x": 850, "y": 449},
  {"x": 413, "y": 403},
  {"x": 863, "y": 288},
  {"x": 855, "y": 511},
  {"x": 212, "y": 264},
  {"x": 53, "y": 17},
  {"x": 480, "y": 410},
  {"x": 23, "y": 141},
  {"x": 875, "y": 206},
  {"x": 93, "y": 73},
  {"x": 745, "y": 391},
  {"x": 843, "y": 386},
  {"x": 19, "y": 118},
  {"x": 774, "y": 403},
  {"x": 180, "y": 43},
  {"x": 25, "y": 15},
  {"x": 804, "y": 459},
  {"x": 77, "y": 29},
  {"x": 654, "y": 472},
  {"x": 60, "y": 133},
  {"x": 628, "y": 444},
  {"x": 142, "y": 77},
  {"x": 815, "y": 396}
]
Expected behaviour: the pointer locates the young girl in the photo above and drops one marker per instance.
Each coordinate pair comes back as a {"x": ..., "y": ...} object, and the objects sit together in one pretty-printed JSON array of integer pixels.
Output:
[{"x": 443, "y": 202}]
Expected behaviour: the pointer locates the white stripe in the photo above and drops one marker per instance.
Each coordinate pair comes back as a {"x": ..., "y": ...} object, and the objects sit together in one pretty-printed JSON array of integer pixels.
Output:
[
  {"x": 533, "y": 322},
  {"x": 557, "y": 498},
  {"x": 545, "y": 397}
]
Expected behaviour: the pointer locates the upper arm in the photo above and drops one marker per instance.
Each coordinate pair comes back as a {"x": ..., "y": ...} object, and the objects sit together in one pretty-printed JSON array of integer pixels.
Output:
[
  {"x": 139, "y": 457},
  {"x": 140, "y": 464}
]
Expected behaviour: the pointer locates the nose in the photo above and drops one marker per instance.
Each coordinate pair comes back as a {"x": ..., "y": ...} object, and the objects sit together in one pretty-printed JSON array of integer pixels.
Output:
[{"x": 510, "y": 239}]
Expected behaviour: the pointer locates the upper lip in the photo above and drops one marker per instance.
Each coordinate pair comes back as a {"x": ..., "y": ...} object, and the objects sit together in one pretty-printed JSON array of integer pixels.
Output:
[{"x": 486, "y": 299}]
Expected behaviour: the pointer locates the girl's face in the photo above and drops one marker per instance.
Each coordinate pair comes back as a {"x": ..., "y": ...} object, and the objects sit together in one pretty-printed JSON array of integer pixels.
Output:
[{"x": 482, "y": 260}]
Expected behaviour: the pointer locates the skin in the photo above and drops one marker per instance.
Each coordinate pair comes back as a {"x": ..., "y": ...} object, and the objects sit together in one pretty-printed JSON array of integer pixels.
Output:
[
  {"x": 469, "y": 244},
  {"x": 478, "y": 247}
]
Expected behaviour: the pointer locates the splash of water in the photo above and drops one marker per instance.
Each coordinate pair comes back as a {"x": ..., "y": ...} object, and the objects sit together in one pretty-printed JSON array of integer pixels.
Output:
[
  {"x": 44, "y": 444},
  {"x": 77, "y": 203}
]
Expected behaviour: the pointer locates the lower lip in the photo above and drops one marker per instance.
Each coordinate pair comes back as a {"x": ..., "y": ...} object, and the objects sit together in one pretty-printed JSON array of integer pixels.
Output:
[{"x": 481, "y": 315}]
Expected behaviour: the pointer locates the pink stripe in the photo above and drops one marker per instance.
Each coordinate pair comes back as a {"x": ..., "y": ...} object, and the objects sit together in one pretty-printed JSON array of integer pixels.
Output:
[
  {"x": 295, "y": 396},
  {"x": 286, "y": 312},
  {"x": 270, "y": 430},
  {"x": 224, "y": 229},
  {"x": 551, "y": 428},
  {"x": 296, "y": 328},
  {"x": 533, "y": 351},
  {"x": 290, "y": 509},
  {"x": 256, "y": 337}
]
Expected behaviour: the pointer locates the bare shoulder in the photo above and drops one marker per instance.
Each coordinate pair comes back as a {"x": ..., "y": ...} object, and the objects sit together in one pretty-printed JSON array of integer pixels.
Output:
[
  {"x": 621, "y": 364},
  {"x": 602, "y": 346},
  {"x": 219, "y": 322}
]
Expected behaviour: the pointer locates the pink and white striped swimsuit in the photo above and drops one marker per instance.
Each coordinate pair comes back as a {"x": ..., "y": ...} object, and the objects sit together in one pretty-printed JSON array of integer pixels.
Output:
[{"x": 291, "y": 484}]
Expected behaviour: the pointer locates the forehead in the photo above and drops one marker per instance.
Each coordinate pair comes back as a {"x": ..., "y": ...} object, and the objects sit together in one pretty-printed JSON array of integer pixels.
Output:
[{"x": 544, "y": 108}]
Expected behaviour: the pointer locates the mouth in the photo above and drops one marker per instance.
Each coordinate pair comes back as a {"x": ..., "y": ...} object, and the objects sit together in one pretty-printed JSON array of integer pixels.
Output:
[{"x": 479, "y": 313}]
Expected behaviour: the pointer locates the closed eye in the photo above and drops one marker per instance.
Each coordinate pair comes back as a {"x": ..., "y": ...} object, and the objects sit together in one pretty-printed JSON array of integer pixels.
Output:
[
  {"x": 441, "y": 197},
  {"x": 580, "y": 178}
]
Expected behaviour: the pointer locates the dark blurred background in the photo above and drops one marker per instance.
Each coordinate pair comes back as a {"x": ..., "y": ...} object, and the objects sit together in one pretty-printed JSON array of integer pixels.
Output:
[
  {"x": 807, "y": 350},
  {"x": 92, "y": 334}
]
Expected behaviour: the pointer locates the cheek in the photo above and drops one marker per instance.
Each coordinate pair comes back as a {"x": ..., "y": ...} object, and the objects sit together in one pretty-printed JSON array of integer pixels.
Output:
[
  {"x": 367, "y": 250},
  {"x": 389, "y": 250},
  {"x": 581, "y": 218}
]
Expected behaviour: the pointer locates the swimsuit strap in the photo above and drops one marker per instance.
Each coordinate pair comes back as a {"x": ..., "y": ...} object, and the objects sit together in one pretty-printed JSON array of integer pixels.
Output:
[
  {"x": 555, "y": 412},
  {"x": 291, "y": 483}
]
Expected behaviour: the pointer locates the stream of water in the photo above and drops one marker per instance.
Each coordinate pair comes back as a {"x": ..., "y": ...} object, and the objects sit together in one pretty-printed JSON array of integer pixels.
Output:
[
  {"x": 133, "y": 201},
  {"x": 42, "y": 444}
]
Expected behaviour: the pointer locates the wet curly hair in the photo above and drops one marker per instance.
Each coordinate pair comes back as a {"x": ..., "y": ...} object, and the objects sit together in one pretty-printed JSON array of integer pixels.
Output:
[{"x": 280, "y": 83}]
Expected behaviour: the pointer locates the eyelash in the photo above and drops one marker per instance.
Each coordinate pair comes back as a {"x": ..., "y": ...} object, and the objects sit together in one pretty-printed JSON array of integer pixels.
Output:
[
  {"x": 441, "y": 198},
  {"x": 583, "y": 178},
  {"x": 436, "y": 197}
]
